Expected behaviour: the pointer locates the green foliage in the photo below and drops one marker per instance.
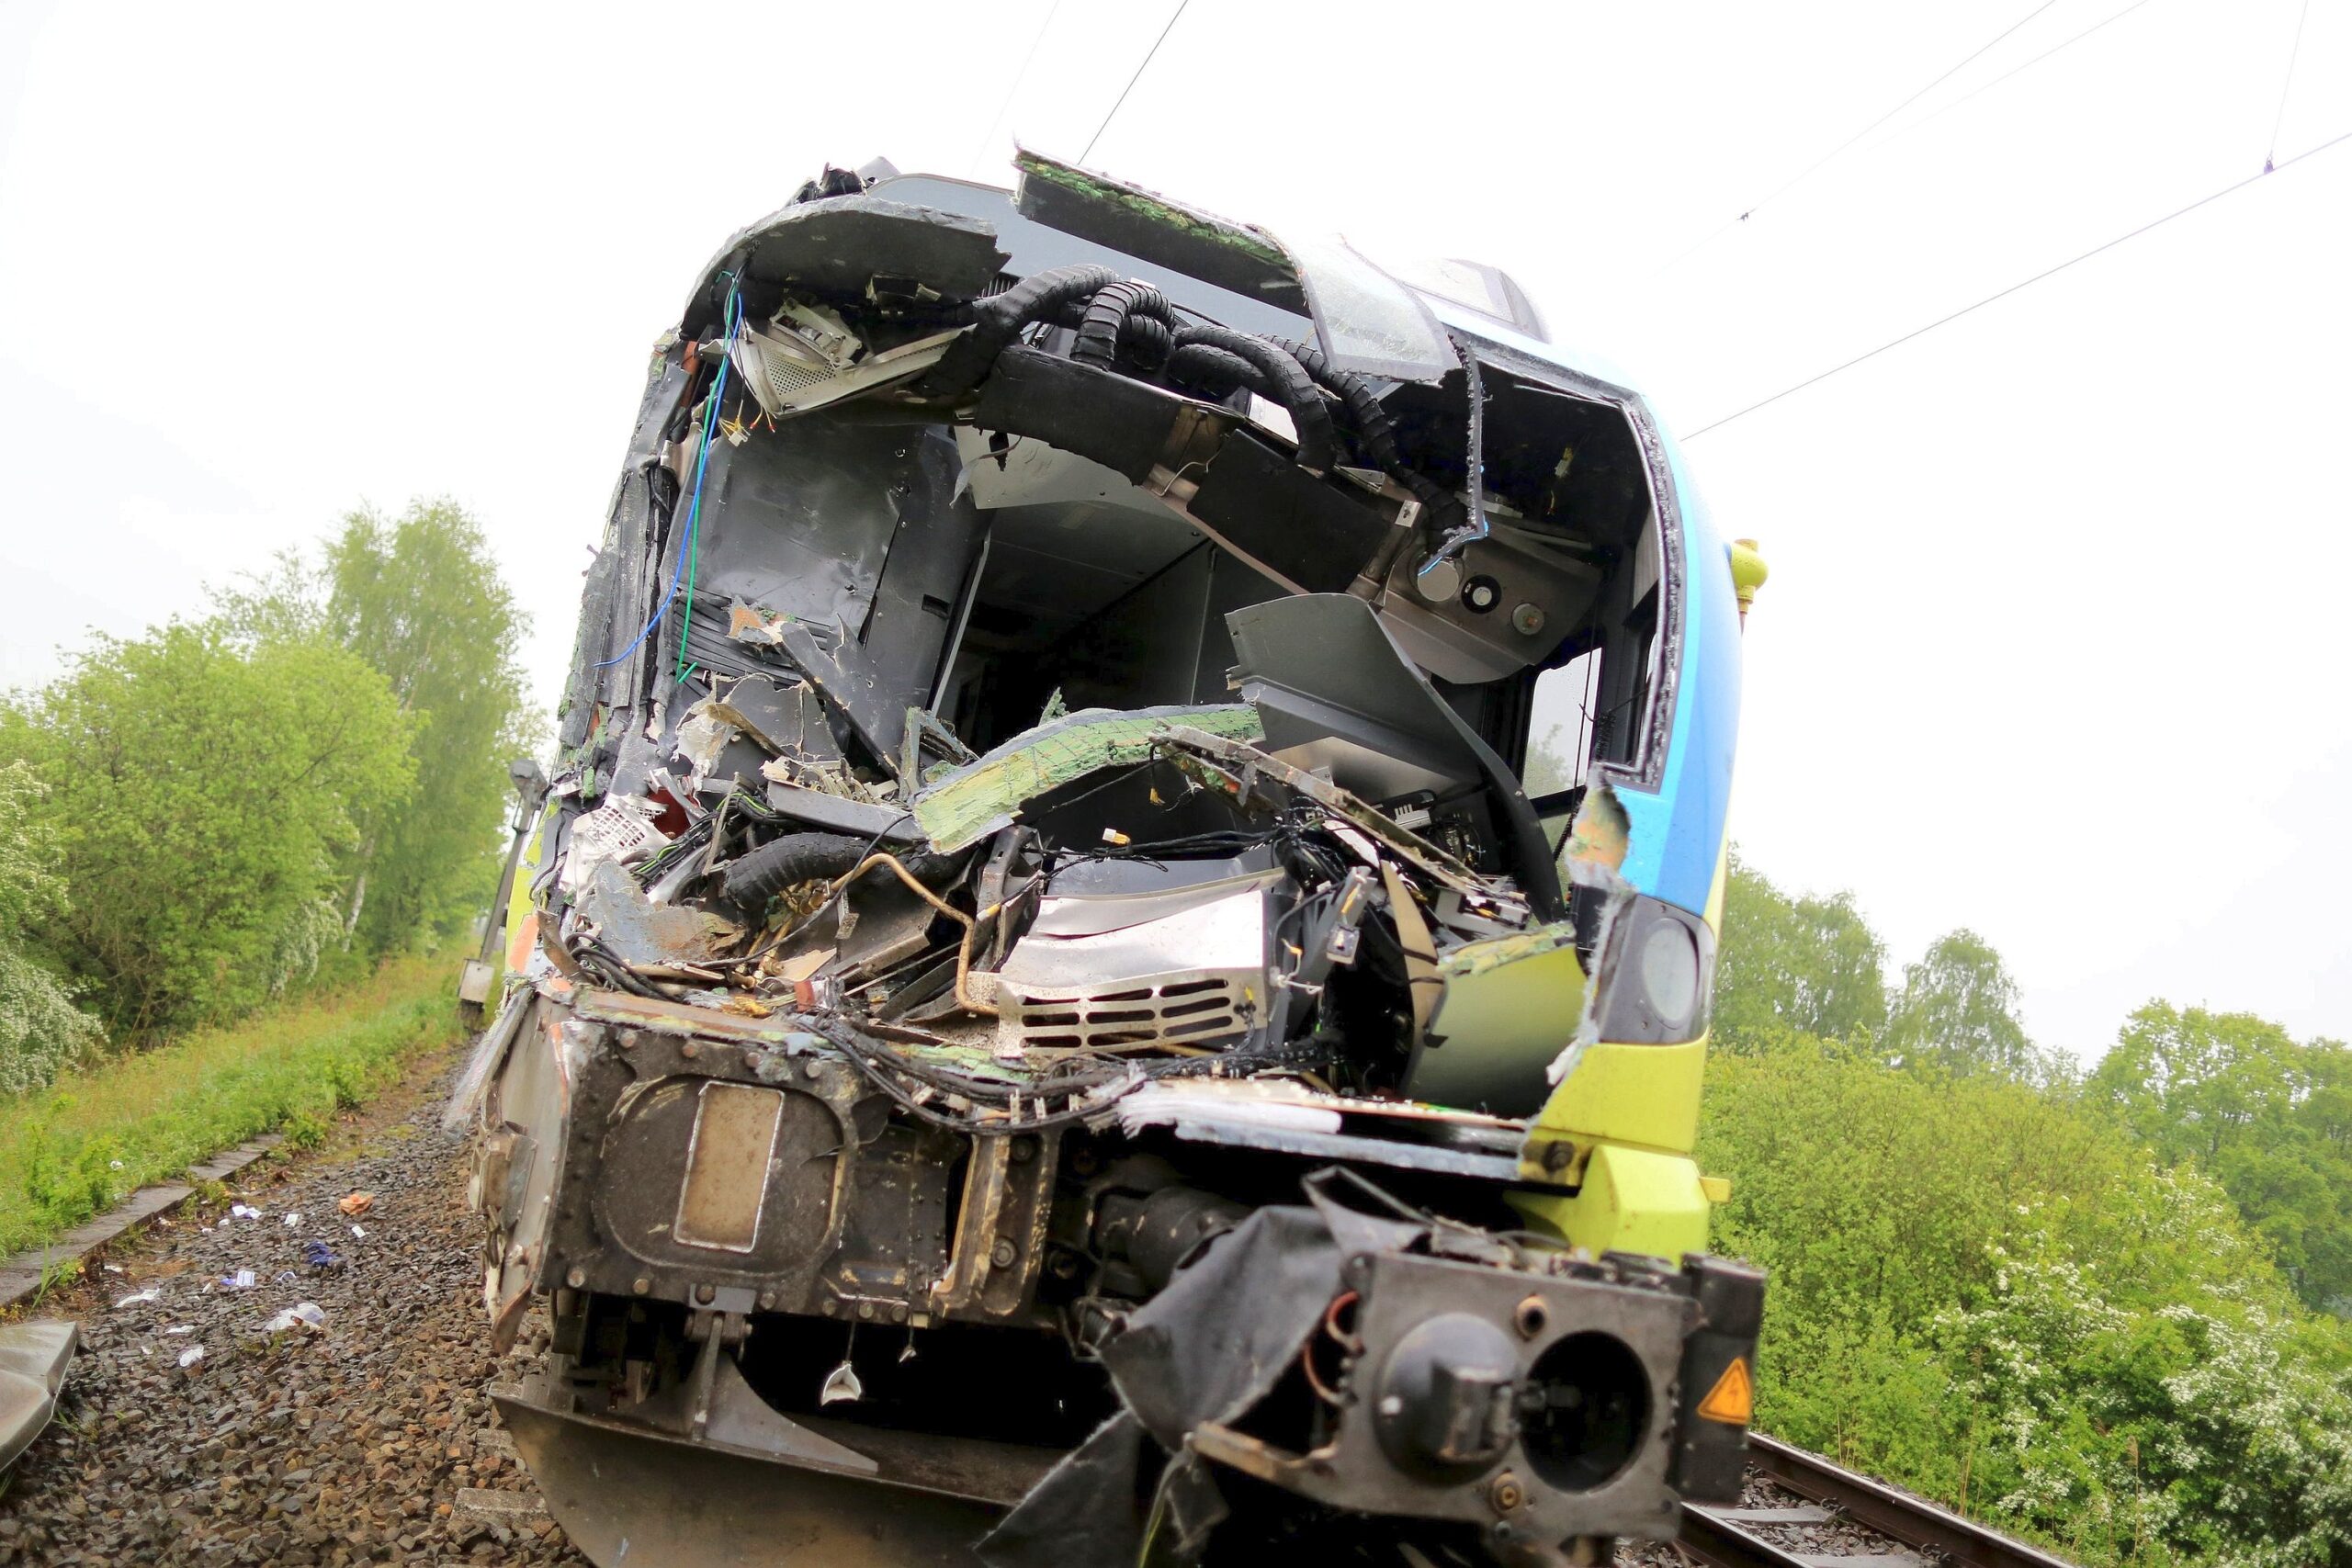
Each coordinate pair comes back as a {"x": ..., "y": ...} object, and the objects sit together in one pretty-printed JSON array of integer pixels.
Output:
[
  {"x": 42, "y": 1031},
  {"x": 2270, "y": 1118},
  {"x": 199, "y": 789},
  {"x": 77, "y": 1148},
  {"x": 419, "y": 599},
  {"x": 1809, "y": 965},
  {"x": 1982, "y": 1290},
  {"x": 1958, "y": 1013}
]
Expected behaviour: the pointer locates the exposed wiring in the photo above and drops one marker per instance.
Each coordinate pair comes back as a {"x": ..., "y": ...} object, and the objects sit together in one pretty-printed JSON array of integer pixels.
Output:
[
  {"x": 702, "y": 463},
  {"x": 2267, "y": 169},
  {"x": 688, "y": 556}
]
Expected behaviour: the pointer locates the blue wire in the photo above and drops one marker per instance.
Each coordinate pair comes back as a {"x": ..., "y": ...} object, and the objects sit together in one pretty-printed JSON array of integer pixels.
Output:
[{"x": 702, "y": 461}]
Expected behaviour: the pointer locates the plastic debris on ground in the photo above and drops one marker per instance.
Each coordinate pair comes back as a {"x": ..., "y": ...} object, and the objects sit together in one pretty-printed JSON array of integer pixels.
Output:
[
  {"x": 192, "y": 1355},
  {"x": 355, "y": 1203},
  {"x": 181, "y": 1328},
  {"x": 302, "y": 1315},
  {"x": 359, "y": 1233},
  {"x": 318, "y": 1255},
  {"x": 243, "y": 1212},
  {"x": 150, "y": 1294},
  {"x": 111, "y": 1268},
  {"x": 242, "y": 1279},
  {"x": 293, "y": 1222}
]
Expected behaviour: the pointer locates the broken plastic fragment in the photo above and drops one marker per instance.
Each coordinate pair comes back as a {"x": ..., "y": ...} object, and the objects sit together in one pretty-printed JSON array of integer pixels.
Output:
[
  {"x": 841, "y": 1383},
  {"x": 980, "y": 797},
  {"x": 243, "y": 1212},
  {"x": 302, "y": 1315},
  {"x": 181, "y": 1328},
  {"x": 318, "y": 1255},
  {"x": 242, "y": 1279},
  {"x": 293, "y": 1222},
  {"x": 138, "y": 1298},
  {"x": 1597, "y": 838},
  {"x": 192, "y": 1355},
  {"x": 355, "y": 1203},
  {"x": 359, "y": 1233}
]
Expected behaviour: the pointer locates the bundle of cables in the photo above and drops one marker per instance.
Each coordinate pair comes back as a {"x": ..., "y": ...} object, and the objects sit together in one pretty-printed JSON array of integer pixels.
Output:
[
  {"x": 1130, "y": 325},
  {"x": 1072, "y": 1088}
]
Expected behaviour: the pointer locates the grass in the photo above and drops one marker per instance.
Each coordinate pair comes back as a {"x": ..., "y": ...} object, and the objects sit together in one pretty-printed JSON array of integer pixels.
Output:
[{"x": 77, "y": 1148}]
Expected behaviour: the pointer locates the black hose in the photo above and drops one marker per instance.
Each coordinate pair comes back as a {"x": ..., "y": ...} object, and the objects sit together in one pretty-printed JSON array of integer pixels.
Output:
[
  {"x": 1211, "y": 370},
  {"x": 1292, "y": 388},
  {"x": 998, "y": 320},
  {"x": 751, "y": 880},
  {"x": 1373, "y": 431},
  {"x": 1112, "y": 323}
]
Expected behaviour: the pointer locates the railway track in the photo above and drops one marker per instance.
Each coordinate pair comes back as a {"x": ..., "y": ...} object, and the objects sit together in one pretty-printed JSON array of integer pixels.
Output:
[{"x": 1915, "y": 1532}]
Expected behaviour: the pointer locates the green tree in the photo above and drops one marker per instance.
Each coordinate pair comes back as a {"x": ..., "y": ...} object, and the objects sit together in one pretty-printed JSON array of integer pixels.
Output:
[
  {"x": 419, "y": 599},
  {"x": 42, "y": 1031},
  {"x": 1958, "y": 1012},
  {"x": 1811, "y": 966},
  {"x": 200, "y": 786},
  {"x": 2268, "y": 1117}
]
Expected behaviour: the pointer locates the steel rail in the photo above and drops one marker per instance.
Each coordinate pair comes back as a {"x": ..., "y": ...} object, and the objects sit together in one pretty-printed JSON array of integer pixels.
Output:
[{"x": 1720, "y": 1536}]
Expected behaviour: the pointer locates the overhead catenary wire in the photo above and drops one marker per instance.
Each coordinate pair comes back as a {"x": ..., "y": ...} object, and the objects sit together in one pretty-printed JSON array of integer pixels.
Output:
[
  {"x": 2024, "y": 65},
  {"x": 1019, "y": 76},
  {"x": 2287, "y": 87},
  {"x": 2269, "y": 168},
  {"x": 1130, "y": 88},
  {"x": 1811, "y": 169}
]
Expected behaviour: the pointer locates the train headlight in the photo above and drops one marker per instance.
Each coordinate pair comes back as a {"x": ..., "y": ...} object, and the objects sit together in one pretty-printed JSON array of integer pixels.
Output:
[{"x": 1656, "y": 972}]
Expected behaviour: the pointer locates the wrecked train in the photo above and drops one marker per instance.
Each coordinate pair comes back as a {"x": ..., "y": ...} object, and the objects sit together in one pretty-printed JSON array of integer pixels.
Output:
[{"x": 1116, "y": 963}]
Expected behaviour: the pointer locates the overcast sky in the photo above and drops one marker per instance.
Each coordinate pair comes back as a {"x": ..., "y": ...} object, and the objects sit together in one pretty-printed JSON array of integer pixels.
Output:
[{"x": 2054, "y": 643}]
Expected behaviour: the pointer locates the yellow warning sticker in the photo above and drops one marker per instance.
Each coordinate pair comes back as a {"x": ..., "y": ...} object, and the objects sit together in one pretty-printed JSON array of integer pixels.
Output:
[{"x": 1732, "y": 1399}]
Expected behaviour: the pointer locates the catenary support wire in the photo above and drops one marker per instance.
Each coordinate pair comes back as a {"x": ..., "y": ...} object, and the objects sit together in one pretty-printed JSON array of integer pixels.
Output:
[
  {"x": 1133, "y": 80},
  {"x": 1019, "y": 76},
  {"x": 1810, "y": 169},
  {"x": 2286, "y": 87},
  {"x": 2206, "y": 200}
]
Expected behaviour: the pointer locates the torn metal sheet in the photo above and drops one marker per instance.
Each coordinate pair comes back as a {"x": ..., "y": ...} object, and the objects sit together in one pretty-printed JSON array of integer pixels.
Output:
[{"x": 637, "y": 931}]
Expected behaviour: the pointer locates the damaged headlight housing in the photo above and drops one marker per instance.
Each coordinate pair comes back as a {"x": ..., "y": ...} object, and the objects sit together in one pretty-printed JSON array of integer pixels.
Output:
[{"x": 1658, "y": 973}]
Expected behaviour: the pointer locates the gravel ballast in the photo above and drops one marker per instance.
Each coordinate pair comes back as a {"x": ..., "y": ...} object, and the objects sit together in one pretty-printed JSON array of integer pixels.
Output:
[{"x": 373, "y": 1440}]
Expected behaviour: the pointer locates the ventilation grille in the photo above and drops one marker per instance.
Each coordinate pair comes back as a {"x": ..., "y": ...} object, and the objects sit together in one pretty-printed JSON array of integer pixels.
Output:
[{"x": 1179, "y": 1012}]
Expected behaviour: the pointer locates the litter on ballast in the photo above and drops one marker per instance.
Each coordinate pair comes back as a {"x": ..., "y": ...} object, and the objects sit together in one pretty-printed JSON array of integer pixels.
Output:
[
  {"x": 302, "y": 1315},
  {"x": 181, "y": 1328},
  {"x": 137, "y": 1298},
  {"x": 243, "y": 1212},
  {"x": 192, "y": 1355},
  {"x": 293, "y": 1221},
  {"x": 111, "y": 1268},
  {"x": 359, "y": 1233},
  {"x": 355, "y": 1203},
  {"x": 318, "y": 1255},
  {"x": 242, "y": 1279}
]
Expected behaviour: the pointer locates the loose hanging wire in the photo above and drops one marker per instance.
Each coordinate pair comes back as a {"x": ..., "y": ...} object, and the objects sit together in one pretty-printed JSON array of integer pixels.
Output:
[{"x": 689, "y": 555}]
